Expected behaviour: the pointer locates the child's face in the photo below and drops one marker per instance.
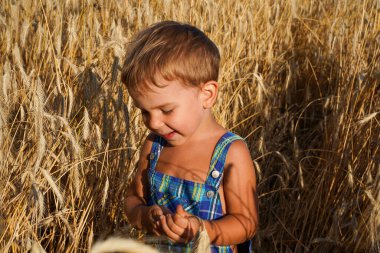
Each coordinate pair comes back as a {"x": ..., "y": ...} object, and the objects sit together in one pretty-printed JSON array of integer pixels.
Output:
[{"x": 173, "y": 110}]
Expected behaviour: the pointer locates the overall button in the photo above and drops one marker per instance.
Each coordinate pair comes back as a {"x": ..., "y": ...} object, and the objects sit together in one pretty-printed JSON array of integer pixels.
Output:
[
  {"x": 151, "y": 156},
  {"x": 210, "y": 194},
  {"x": 215, "y": 174}
]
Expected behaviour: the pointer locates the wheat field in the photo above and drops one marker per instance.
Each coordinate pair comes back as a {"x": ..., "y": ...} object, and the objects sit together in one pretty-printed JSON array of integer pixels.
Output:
[{"x": 300, "y": 81}]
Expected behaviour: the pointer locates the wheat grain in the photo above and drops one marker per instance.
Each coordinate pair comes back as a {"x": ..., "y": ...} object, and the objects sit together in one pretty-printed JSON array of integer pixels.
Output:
[
  {"x": 8, "y": 41},
  {"x": 39, "y": 99},
  {"x": 350, "y": 177},
  {"x": 53, "y": 186},
  {"x": 40, "y": 34},
  {"x": 98, "y": 34},
  {"x": 98, "y": 136},
  {"x": 105, "y": 193},
  {"x": 58, "y": 37},
  {"x": 283, "y": 159},
  {"x": 71, "y": 101},
  {"x": 17, "y": 59},
  {"x": 261, "y": 90},
  {"x": 75, "y": 147},
  {"x": 41, "y": 148},
  {"x": 86, "y": 124},
  {"x": 6, "y": 80},
  {"x": 76, "y": 180},
  {"x": 90, "y": 238},
  {"x": 24, "y": 176},
  {"x": 258, "y": 170},
  {"x": 300, "y": 174},
  {"x": 15, "y": 21},
  {"x": 24, "y": 32},
  {"x": 367, "y": 118},
  {"x": 2, "y": 125},
  {"x": 39, "y": 201}
]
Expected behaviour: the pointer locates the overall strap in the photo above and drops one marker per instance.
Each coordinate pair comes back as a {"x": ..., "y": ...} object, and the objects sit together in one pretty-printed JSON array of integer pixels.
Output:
[
  {"x": 157, "y": 146},
  {"x": 218, "y": 159}
]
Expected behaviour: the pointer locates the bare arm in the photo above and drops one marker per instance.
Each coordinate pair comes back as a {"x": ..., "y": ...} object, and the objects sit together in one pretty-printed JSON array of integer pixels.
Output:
[
  {"x": 139, "y": 214},
  {"x": 239, "y": 184}
]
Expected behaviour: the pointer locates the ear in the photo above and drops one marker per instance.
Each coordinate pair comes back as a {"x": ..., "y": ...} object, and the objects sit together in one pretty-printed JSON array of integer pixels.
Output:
[{"x": 209, "y": 92}]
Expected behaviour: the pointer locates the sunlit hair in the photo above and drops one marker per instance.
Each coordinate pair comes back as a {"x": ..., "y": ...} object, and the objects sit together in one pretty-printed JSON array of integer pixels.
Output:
[{"x": 174, "y": 50}]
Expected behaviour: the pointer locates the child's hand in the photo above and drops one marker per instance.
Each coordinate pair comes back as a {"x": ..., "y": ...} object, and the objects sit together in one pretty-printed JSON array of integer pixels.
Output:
[
  {"x": 153, "y": 217},
  {"x": 180, "y": 227}
]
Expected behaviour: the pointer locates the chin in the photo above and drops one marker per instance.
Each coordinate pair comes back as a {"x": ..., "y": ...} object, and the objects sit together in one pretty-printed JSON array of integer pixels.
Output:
[{"x": 176, "y": 142}]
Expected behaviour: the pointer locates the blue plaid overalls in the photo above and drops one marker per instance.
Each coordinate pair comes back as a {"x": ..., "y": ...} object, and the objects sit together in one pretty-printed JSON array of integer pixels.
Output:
[{"x": 200, "y": 199}]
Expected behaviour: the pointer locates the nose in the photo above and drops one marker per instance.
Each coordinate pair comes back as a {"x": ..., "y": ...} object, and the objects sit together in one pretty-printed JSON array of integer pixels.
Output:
[{"x": 154, "y": 122}]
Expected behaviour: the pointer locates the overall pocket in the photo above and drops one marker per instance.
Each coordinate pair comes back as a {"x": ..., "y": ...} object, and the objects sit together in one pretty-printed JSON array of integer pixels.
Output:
[{"x": 171, "y": 202}]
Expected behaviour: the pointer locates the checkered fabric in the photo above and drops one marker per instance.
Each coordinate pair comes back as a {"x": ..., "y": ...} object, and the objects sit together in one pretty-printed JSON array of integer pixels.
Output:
[{"x": 200, "y": 199}]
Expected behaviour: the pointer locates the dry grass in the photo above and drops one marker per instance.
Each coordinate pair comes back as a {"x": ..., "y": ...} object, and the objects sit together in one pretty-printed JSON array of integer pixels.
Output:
[{"x": 299, "y": 79}]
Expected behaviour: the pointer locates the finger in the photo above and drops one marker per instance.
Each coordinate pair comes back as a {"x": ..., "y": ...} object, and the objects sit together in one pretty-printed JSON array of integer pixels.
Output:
[
  {"x": 156, "y": 217},
  {"x": 166, "y": 210},
  {"x": 152, "y": 218},
  {"x": 158, "y": 227},
  {"x": 181, "y": 211},
  {"x": 173, "y": 226},
  {"x": 180, "y": 221},
  {"x": 156, "y": 212},
  {"x": 154, "y": 229},
  {"x": 156, "y": 232},
  {"x": 170, "y": 234}
]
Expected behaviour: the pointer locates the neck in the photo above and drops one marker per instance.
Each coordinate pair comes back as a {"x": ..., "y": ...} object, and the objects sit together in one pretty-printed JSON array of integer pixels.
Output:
[{"x": 208, "y": 127}]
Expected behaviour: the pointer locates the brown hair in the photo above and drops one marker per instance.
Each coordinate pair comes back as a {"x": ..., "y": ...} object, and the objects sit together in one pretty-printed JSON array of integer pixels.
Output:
[{"x": 174, "y": 50}]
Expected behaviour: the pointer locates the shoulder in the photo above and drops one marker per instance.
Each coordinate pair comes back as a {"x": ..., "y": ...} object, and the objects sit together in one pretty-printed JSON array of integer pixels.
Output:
[
  {"x": 239, "y": 159},
  {"x": 238, "y": 150}
]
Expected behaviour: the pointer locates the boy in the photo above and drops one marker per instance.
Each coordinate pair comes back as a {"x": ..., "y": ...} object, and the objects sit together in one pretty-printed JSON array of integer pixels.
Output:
[{"x": 192, "y": 174}]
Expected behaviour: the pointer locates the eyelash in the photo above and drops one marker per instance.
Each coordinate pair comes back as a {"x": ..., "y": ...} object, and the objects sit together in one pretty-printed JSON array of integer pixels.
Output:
[{"x": 167, "y": 111}]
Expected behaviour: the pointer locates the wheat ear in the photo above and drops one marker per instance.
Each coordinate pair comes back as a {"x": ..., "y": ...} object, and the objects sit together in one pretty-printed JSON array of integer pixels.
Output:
[
  {"x": 121, "y": 245},
  {"x": 202, "y": 240}
]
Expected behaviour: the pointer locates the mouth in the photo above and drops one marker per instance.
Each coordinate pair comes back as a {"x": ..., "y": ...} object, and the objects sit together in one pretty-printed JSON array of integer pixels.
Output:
[{"x": 169, "y": 135}]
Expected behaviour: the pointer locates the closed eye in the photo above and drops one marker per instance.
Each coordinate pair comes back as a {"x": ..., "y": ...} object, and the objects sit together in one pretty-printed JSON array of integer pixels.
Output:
[{"x": 167, "y": 111}]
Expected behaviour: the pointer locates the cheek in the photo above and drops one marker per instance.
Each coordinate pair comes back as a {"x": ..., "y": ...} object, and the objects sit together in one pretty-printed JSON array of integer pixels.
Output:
[
  {"x": 192, "y": 116},
  {"x": 181, "y": 120}
]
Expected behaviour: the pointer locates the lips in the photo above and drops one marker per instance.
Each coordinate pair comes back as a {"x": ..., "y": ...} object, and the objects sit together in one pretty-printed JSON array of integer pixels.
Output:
[{"x": 169, "y": 135}]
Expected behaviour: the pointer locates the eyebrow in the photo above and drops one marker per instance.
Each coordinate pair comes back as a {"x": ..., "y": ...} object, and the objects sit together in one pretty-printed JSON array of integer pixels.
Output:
[{"x": 159, "y": 106}]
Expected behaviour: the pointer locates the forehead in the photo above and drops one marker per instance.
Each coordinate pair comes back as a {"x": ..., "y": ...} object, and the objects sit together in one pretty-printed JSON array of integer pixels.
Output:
[
  {"x": 163, "y": 92},
  {"x": 152, "y": 84}
]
